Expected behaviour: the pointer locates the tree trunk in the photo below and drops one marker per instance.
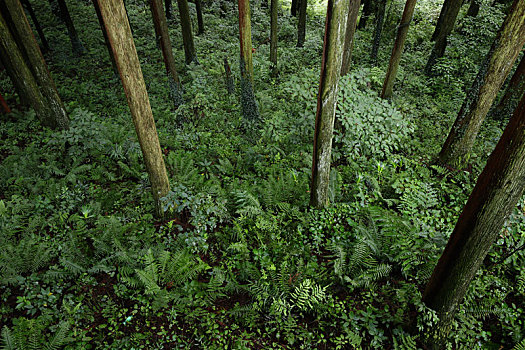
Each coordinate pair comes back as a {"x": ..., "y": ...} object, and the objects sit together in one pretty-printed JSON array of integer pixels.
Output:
[
  {"x": 108, "y": 45},
  {"x": 250, "y": 109},
  {"x": 161, "y": 28},
  {"x": 351, "y": 23},
  {"x": 473, "y": 9},
  {"x": 402, "y": 32},
  {"x": 446, "y": 26},
  {"x": 119, "y": 34},
  {"x": 497, "y": 191},
  {"x": 78, "y": 48},
  {"x": 22, "y": 77},
  {"x": 336, "y": 15},
  {"x": 504, "y": 51},
  {"x": 200, "y": 21},
  {"x": 368, "y": 8},
  {"x": 380, "y": 18},
  {"x": 301, "y": 23},
  {"x": 293, "y": 8},
  {"x": 228, "y": 78},
  {"x": 168, "y": 9},
  {"x": 5, "y": 107},
  {"x": 37, "y": 65},
  {"x": 512, "y": 95},
  {"x": 187, "y": 34},
  {"x": 439, "y": 22},
  {"x": 29, "y": 8},
  {"x": 273, "y": 37}
]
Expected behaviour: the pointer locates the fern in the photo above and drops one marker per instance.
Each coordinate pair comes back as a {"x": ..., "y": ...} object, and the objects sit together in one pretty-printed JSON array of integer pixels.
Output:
[
  {"x": 9, "y": 341},
  {"x": 246, "y": 204},
  {"x": 520, "y": 345},
  {"x": 308, "y": 295}
]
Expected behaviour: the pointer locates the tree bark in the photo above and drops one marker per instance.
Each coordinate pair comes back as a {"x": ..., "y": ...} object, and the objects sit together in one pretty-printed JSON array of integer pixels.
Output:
[
  {"x": 336, "y": 16},
  {"x": 351, "y": 23},
  {"x": 78, "y": 48},
  {"x": 250, "y": 109},
  {"x": 473, "y": 9},
  {"x": 380, "y": 18},
  {"x": 293, "y": 8},
  {"x": 497, "y": 191},
  {"x": 37, "y": 65},
  {"x": 38, "y": 27},
  {"x": 439, "y": 22},
  {"x": 187, "y": 34},
  {"x": 161, "y": 28},
  {"x": 22, "y": 76},
  {"x": 447, "y": 24},
  {"x": 512, "y": 94},
  {"x": 402, "y": 32},
  {"x": 301, "y": 23},
  {"x": 168, "y": 9},
  {"x": 119, "y": 34},
  {"x": 504, "y": 51},
  {"x": 200, "y": 21},
  {"x": 228, "y": 78},
  {"x": 273, "y": 37},
  {"x": 4, "y": 105},
  {"x": 106, "y": 40}
]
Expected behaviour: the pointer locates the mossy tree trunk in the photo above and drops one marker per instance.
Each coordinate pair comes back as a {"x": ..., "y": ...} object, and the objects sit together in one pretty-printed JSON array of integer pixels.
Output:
[
  {"x": 78, "y": 48},
  {"x": 512, "y": 94},
  {"x": 108, "y": 46},
  {"x": 161, "y": 28},
  {"x": 200, "y": 20},
  {"x": 402, "y": 32},
  {"x": 448, "y": 19},
  {"x": 439, "y": 22},
  {"x": 336, "y": 16},
  {"x": 380, "y": 19},
  {"x": 187, "y": 33},
  {"x": 351, "y": 23},
  {"x": 250, "y": 109},
  {"x": 497, "y": 191},
  {"x": 301, "y": 23},
  {"x": 273, "y": 36},
  {"x": 22, "y": 77},
  {"x": 504, "y": 51},
  {"x": 119, "y": 34},
  {"x": 38, "y": 27},
  {"x": 35, "y": 62},
  {"x": 368, "y": 8}
]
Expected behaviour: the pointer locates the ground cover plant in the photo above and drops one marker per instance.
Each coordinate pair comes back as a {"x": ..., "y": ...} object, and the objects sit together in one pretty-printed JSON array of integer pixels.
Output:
[{"x": 240, "y": 260}]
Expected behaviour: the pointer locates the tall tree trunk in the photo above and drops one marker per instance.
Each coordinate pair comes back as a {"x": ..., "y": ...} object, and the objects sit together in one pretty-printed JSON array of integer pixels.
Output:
[
  {"x": 200, "y": 21},
  {"x": 168, "y": 8},
  {"x": 368, "y": 8},
  {"x": 5, "y": 107},
  {"x": 504, "y": 51},
  {"x": 36, "y": 64},
  {"x": 473, "y": 9},
  {"x": 106, "y": 40},
  {"x": 351, "y": 23},
  {"x": 22, "y": 76},
  {"x": 250, "y": 109},
  {"x": 161, "y": 27},
  {"x": 336, "y": 16},
  {"x": 38, "y": 27},
  {"x": 187, "y": 34},
  {"x": 78, "y": 48},
  {"x": 301, "y": 23},
  {"x": 228, "y": 78},
  {"x": 293, "y": 8},
  {"x": 380, "y": 18},
  {"x": 273, "y": 37},
  {"x": 119, "y": 34},
  {"x": 402, "y": 32},
  {"x": 512, "y": 94},
  {"x": 447, "y": 24},
  {"x": 439, "y": 23},
  {"x": 497, "y": 191}
]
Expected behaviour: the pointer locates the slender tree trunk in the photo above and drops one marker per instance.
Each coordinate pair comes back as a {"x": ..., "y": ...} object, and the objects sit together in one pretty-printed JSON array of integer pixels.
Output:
[
  {"x": 161, "y": 27},
  {"x": 4, "y": 105},
  {"x": 336, "y": 16},
  {"x": 368, "y": 8},
  {"x": 78, "y": 48},
  {"x": 439, "y": 23},
  {"x": 497, "y": 191},
  {"x": 446, "y": 26},
  {"x": 273, "y": 37},
  {"x": 380, "y": 18},
  {"x": 293, "y": 8},
  {"x": 512, "y": 94},
  {"x": 402, "y": 32},
  {"x": 301, "y": 23},
  {"x": 228, "y": 78},
  {"x": 37, "y": 65},
  {"x": 38, "y": 27},
  {"x": 106, "y": 40},
  {"x": 187, "y": 34},
  {"x": 250, "y": 109},
  {"x": 351, "y": 23},
  {"x": 168, "y": 9},
  {"x": 473, "y": 9},
  {"x": 200, "y": 21},
  {"x": 119, "y": 34},
  {"x": 22, "y": 76},
  {"x": 504, "y": 51}
]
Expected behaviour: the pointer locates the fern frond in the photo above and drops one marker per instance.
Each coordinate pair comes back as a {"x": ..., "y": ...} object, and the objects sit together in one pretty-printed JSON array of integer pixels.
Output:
[
  {"x": 520, "y": 345},
  {"x": 8, "y": 339},
  {"x": 60, "y": 336}
]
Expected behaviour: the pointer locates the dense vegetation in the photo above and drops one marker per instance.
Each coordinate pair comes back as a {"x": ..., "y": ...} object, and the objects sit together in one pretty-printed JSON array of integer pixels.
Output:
[{"x": 241, "y": 260}]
